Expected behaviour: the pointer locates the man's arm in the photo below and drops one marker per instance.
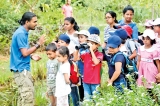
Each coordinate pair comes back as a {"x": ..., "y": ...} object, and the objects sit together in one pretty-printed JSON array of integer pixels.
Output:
[{"x": 25, "y": 52}]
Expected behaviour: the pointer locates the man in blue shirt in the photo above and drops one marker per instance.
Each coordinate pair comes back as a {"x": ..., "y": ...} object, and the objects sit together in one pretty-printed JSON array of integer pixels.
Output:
[{"x": 20, "y": 58}]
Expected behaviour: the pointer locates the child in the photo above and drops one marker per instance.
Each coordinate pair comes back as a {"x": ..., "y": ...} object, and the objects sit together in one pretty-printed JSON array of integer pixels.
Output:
[
  {"x": 128, "y": 13},
  {"x": 82, "y": 36},
  {"x": 123, "y": 35},
  {"x": 52, "y": 68},
  {"x": 131, "y": 46},
  {"x": 116, "y": 77},
  {"x": 92, "y": 66},
  {"x": 156, "y": 25},
  {"x": 147, "y": 54},
  {"x": 64, "y": 40},
  {"x": 148, "y": 24},
  {"x": 62, "y": 77}
]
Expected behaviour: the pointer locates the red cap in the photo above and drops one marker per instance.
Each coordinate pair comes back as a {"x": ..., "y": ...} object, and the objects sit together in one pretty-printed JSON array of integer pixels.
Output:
[{"x": 128, "y": 30}]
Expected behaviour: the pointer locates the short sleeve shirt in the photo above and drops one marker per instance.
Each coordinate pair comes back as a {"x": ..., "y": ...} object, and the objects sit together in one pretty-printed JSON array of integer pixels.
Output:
[
  {"x": 19, "y": 40},
  {"x": 62, "y": 88},
  {"x": 92, "y": 71},
  {"x": 67, "y": 10},
  {"x": 130, "y": 45},
  {"x": 134, "y": 28},
  {"x": 119, "y": 58},
  {"x": 52, "y": 69}
]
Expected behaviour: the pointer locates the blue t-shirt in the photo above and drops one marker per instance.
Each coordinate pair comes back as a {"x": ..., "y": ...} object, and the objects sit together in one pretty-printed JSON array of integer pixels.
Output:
[
  {"x": 80, "y": 63},
  {"x": 119, "y": 58},
  {"x": 19, "y": 40},
  {"x": 134, "y": 28}
]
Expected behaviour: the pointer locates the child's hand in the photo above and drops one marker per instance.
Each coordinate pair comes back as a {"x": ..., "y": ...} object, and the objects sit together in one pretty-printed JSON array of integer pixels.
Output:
[
  {"x": 90, "y": 46},
  {"x": 110, "y": 83},
  {"x": 158, "y": 76},
  {"x": 47, "y": 95}
]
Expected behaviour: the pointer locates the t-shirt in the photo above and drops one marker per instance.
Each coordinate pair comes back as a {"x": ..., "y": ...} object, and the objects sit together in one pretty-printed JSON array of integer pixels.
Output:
[
  {"x": 134, "y": 28},
  {"x": 130, "y": 46},
  {"x": 108, "y": 29},
  {"x": 19, "y": 40},
  {"x": 80, "y": 62},
  {"x": 62, "y": 88},
  {"x": 92, "y": 71},
  {"x": 67, "y": 10},
  {"x": 119, "y": 58},
  {"x": 52, "y": 69}
]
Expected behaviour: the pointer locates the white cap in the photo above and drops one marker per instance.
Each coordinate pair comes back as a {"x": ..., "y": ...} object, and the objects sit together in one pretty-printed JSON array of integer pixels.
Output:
[
  {"x": 156, "y": 22},
  {"x": 83, "y": 32},
  {"x": 94, "y": 38},
  {"x": 150, "y": 33}
]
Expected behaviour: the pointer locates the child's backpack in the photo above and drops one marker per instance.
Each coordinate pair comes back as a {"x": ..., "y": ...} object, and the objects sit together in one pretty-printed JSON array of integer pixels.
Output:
[
  {"x": 74, "y": 77},
  {"x": 130, "y": 68}
]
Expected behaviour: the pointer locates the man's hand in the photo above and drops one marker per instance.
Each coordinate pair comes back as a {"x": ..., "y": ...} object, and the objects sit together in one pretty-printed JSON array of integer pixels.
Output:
[
  {"x": 35, "y": 57},
  {"x": 42, "y": 40}
]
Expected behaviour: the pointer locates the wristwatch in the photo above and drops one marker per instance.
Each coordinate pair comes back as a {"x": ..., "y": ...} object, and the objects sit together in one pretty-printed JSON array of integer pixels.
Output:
[{"x": 37, "y": 45}]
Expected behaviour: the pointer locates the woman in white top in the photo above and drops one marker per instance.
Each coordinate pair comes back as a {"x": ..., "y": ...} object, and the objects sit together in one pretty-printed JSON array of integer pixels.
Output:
[
  {"x": 71, "y": 27},
  {"x": 62, "y": 77}
]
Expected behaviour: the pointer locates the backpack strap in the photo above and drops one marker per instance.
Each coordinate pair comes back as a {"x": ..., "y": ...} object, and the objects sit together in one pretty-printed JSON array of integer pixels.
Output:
[{"x": 113, "y": 60}]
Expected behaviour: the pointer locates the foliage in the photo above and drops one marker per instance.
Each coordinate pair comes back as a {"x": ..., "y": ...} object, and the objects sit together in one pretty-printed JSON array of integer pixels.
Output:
[{"x": 138, "y": 96}]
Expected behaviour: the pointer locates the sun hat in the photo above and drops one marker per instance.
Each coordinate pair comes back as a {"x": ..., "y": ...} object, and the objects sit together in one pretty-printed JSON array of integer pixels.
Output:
[
  {"x": 94, "y": 38},
  {"x": 114, "y": 41},
  {"x": 148, "y": 23},
  {"x": 150, "y": 33},
  {"x": 65, "y": 38},
  {"x": 83, "y": 32},
  {"x": 94, "y": 30},
  {"x": 156, "y": 22},
  {"x": 122, "y": 33}
]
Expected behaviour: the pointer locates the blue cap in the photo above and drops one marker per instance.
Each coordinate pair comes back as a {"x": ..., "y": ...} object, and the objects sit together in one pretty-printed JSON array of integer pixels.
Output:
[
  {"x": 114, "y": 41},
  {"x": 94, "y": 30},
  {"x": 65, "y": 38},
  {"x": 120, "y": 32}
]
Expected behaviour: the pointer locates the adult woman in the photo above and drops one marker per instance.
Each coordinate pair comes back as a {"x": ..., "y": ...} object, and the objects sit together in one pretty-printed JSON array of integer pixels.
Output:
[
  {"x": 71, "y": 27},
  {"x": 128, "y": 13},
  {"x": 111, "y": 20}
]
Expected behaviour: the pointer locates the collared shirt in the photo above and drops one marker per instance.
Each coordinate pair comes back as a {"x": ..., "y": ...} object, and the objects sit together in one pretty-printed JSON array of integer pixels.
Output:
[
  {"x": 92, "y": 71},
  {"x": 134, "y": 28},
  {"x": 19, "y": 40}
]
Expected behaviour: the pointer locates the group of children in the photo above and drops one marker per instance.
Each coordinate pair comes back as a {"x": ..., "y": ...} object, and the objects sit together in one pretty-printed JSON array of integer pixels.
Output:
[{"x": 83, "y": 48}]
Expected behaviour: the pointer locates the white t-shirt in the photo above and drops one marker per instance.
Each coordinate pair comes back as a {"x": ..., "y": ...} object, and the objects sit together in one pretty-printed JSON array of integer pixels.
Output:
[{"x": 62, "y": 88}]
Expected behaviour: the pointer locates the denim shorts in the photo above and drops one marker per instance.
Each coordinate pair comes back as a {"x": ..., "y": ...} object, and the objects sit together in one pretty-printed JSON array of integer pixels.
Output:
[{"x": 120, "y": 84}]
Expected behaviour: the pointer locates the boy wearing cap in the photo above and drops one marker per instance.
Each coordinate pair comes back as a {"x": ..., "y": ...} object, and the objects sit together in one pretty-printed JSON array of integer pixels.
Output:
[
  {"x": 82, "y": 37},
  {"x": 92, "y": 66},
  {"x": 116, "y": 78},
  {"x": 128, "y": 46}
]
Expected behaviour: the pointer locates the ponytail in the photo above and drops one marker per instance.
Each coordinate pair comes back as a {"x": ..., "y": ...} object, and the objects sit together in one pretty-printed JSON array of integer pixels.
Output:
[{"x": 72, "y": 21}]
